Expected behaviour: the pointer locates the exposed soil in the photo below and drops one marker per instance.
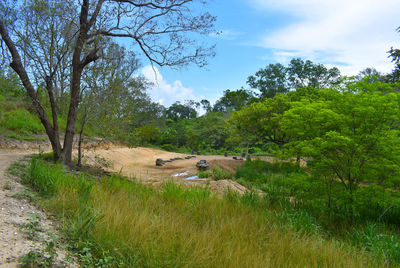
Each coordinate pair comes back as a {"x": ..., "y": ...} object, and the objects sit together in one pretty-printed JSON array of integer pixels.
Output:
[
  {"x": 16, "y": 213},
  {"x": 139, "y": 164}
]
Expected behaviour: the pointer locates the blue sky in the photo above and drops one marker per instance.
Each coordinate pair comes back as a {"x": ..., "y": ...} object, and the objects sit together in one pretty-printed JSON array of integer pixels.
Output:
[{"x": 349, "y": 34}]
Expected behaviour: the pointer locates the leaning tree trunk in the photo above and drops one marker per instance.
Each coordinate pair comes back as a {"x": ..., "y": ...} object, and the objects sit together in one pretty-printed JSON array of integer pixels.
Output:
[{"x": 18, "y": 67}]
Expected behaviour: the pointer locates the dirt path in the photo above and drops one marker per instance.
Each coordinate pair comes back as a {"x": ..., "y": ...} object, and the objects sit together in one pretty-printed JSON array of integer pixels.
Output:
[{"x": 16, "y": 213}]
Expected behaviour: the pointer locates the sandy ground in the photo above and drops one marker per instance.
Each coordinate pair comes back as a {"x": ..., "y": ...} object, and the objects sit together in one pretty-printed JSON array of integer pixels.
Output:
[
  {"x": 139, "y": 163},
  {"x": 16, "y": 213}
]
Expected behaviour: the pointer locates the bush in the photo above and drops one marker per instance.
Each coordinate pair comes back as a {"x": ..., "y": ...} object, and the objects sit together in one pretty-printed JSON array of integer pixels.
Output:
[{"x": 169, "y": 147}]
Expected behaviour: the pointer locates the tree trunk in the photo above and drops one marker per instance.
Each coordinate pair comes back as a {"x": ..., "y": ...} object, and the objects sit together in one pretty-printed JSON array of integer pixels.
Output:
[
  {"x": 57, "y": 147},
  {"x": 77, "y": 68},
  {"x": 17, "y": 66},
  {"x": 73, "y": 108},
  {"x": 80, "y": 139}
]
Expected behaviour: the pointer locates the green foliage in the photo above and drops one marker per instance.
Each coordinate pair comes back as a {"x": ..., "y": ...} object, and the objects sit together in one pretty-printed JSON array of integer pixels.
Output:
[
  {"x": 309, "y": 204},
  {"x": 261, "y": 121},
  {"x": 349, "y": 136},
  {"x": 234, "y": 100},
  {"x": 22, "y": 121},
  {"x": 193, "y": 195},
  {"x": 381, "y": 244},
  {"x": 147, "y": 134},
  {"x": 299, "y": 220},
  {"x": 181, "y": 111},
  {"x": 204, "y": 174},
  {"x": 33, "y": 226},
  {"x": 46, "y": 180},
  {"x": 276, "y": 78},
  {"x": 10, "y": 85},
  {"x": 206, "y": 133},
  {"x": 220, "y": 174}
]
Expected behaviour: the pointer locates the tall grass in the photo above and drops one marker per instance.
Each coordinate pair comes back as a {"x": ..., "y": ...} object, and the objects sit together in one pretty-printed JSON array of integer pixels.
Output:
[
  {"x": 22, "y": 121},
  {"x": 126, "y": 224},
  {"x": 312, "y": 204}
]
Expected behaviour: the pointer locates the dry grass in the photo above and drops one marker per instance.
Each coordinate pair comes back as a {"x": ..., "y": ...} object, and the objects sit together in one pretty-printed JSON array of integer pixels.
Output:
[{"x": 179, "y": 227}]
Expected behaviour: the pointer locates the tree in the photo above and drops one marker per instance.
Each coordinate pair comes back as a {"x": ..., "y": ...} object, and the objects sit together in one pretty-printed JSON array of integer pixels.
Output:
[
  {"x": 78, "y": 31},
  {"x": 181, "y": 111},
  {"x": 233, "y": 100},
  {"x": 262, "y": 120},
  {"x": 270, "y": 81},
  {"x": 276, "y": 78},
  {"x": 348, "y": 135},
  {"x": 394, "y": 53},
  {"x": 206, "y": 105}
]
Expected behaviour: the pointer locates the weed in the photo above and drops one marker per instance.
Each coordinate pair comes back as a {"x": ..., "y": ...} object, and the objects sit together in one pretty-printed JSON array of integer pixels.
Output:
[
  {"x": 376, "y": 241},
  {"x": 27, "y": 195},
  {"x": 41, "y": 256},
  {"x": 8, "y": 186},
  {"x": 219, "y": 174},
  {"x": 17, "y": 168},
  {"x": 33, "y": 226},
  {"x": 204, "y": 174}
]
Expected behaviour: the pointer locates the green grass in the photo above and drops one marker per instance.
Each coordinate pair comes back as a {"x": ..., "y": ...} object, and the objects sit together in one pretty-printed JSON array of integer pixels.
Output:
[
  {"x": 118, "y": 223},
  {"x": 22, "y": 122},
  {"x": 220, "y": 174},
  {"x": 319, "y": 205}
]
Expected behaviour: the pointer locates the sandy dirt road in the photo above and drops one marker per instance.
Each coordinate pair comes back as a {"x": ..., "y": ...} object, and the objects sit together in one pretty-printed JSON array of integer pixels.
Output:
[{"x": 15, "y": 213}]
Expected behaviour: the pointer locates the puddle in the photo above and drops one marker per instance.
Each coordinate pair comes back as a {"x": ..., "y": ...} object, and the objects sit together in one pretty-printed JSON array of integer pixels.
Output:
[
  {"x": 180, "y": 174},
  {"x": 191, "y": 178}
]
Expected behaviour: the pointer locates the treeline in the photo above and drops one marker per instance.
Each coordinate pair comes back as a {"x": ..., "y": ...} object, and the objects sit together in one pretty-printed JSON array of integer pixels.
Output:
[{"x": 249, "y": 119}]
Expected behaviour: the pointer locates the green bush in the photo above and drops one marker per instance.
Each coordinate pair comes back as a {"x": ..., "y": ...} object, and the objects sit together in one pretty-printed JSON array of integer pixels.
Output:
[{"x": 169, "y": 147}]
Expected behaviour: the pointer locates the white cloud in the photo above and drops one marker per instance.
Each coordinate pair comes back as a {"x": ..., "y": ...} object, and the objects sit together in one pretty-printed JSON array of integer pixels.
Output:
[
  {"x": 355, "y": 33},
  {"x": 163, "y": 92}
]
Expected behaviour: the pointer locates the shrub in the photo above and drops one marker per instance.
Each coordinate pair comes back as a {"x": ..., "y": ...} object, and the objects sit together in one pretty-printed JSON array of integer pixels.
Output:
[{"x": 169, "y": 147}]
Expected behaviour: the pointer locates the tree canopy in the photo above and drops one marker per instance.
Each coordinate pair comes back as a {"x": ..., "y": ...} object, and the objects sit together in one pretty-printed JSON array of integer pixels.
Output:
[{"x": 277, "y": 78}]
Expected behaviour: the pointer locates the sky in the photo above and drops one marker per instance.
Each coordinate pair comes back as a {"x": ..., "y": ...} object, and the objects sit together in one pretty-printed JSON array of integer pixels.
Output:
[{"x": 349, "y": 34}]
